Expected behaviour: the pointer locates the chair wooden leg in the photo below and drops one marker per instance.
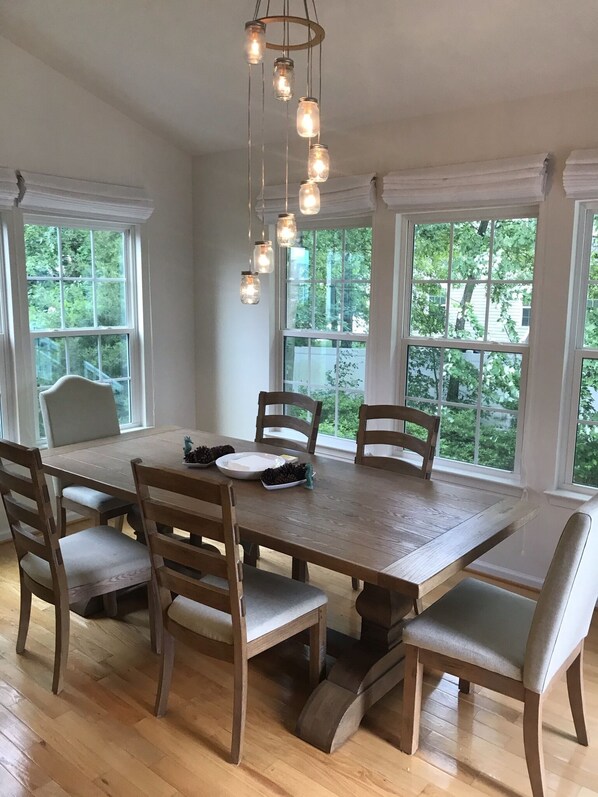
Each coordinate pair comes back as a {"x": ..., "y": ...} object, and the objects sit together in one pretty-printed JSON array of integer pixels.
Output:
[
  {"x": 299, "y": 571},
  {"x": 317, "y": 649},
  {"x": 464, "y": 686},
  {"x": 250, "y": 553},
  {"x": 532, "y": 741},
  {"x": 412, "y": 700},
  {"x": 355, "y": 583},
  {"x": 239, "y": 709},
  {"x": 24, "y": 615},
  {"x": 110, "y": 604},
  {"x": 576, "y": 698},
  {"x": 166, "y": 665},
  {"x": 61, "y": 649},
  {"x": 60, "y": 517}
]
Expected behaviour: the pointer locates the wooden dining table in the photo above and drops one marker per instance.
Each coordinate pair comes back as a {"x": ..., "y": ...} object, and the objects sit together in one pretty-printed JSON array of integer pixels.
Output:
[{"x": 400, "y": 535}]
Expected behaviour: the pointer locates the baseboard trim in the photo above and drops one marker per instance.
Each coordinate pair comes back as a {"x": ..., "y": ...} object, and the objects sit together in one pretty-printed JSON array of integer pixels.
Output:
[{"x": 513, "y": 577}]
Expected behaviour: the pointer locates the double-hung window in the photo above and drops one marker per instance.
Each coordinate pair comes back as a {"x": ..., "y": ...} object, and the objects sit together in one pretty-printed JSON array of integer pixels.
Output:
[
  {"x": 468, "y": 300},
  {"x": 82, "y": 307},
  {"x": 326, "y": 309},
  {"x": 582, "y": 454}
]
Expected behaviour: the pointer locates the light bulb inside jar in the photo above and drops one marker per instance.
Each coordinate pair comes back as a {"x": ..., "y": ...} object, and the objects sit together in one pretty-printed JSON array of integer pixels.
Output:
[
  {"x": 286, "y": 229},
  {"x": 255, "y": 41},
  {"x": 318, "y": 164},
  {"x": 250, "y": 288},
  {"x": 284, "y": 78},
  {"x": 309, "y": 198},
  {"x": 308, "y": 117},
  {"x": 263, "y": 257}
]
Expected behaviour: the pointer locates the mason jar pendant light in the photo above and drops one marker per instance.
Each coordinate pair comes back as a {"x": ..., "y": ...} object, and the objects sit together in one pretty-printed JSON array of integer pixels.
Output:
[
  {"x": 286, "y": 230},
  {"x": 318, "y": 164},
  {"x": 250, "y": 288},
  {"x": 263, "y": 257},
  {"x": 255, "y": 41},
  {"x": 309, "y": 198},
  {"x": 308, "y": 117},
  {"x": 284, "y": 78}
]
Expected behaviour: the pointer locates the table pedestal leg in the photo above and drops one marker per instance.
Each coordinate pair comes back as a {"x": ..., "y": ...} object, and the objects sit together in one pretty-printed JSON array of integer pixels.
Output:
[{"x": 360, "y": 677}]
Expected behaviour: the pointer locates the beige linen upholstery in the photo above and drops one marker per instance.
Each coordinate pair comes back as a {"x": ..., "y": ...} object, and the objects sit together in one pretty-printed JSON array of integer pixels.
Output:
[
  {"x": 271, "y": 601},
  {"x": 208, "y": 599},
  {"x": 511, "y": 644},
  {"x": 75, "y": 410},
  {"x": 63, "y": 571}
]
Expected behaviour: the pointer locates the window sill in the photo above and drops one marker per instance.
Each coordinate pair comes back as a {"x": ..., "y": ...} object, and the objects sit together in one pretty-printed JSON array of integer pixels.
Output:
[{"x": 570, "y": 499}]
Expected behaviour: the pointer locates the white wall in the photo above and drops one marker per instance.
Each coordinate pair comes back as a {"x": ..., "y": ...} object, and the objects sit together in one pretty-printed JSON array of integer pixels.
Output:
[
  {"x": 234, "y": 341},
  {"x": 49, "y": 124}
]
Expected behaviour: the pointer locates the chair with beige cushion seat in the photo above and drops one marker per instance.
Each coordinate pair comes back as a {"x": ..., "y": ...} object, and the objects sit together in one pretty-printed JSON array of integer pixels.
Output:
[
  {"x": 62, "y": 571},
  {"x": 75, "y": 410},
  {"x": 424, "y": 446},
  {"x": 511, "y": 644},
  {"x": 234, "y": 612}
]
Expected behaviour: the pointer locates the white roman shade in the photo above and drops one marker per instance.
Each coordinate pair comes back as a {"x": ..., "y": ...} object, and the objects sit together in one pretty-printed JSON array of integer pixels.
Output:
[
  {"x": 509, "y": 181},
  {"x": 49, "y": 194},
  {"x": 580, "y": 177},
  {"x": 340, "y": 198},
  {"x": 9, "y": 188}
]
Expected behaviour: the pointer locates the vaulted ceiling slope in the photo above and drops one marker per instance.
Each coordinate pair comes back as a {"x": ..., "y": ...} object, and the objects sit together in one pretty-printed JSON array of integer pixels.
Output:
[{"x": 177, "y": 66}]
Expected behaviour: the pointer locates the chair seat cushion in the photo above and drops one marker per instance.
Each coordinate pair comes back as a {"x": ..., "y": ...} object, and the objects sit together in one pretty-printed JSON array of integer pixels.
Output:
[
  {"x": 271, "y": 601},
  {"x": 93, "y": 556},
  {"x": 94, "y": 499},
  {"x": 476, "y": 623}
]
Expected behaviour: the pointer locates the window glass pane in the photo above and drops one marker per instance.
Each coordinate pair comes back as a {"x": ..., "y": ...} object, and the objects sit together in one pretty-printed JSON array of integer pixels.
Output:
[
  {"x": 83, "y": 356},
  {"x": 300, "y": 258},
  {"x": 111, "y": 304},
  {"x": 75, "y": 249},
  {"x": 78, "y": 304},
  {"x": 588, "y": 395},
  {"x": 299, "y": 305},
  {"x": 513, "y": 249},
  {"x": 356, "y": 308},
  {"x": 329, "y": 255},
  {"x": 467, "y": 310},
  {"x": 114, "y": 351},
  {"x": 428, "y": 309},
  {"x": 590, "y": 338},
  {"x": 328, "y": 307},
  {"x": 423, "y": 372},
  {"x": 461, "y": 376},
  {"x": 471, "y": 250},
  {"x": 593, "y": 273},
  {"x": 41, "y": 251},
  {"x": 122, "y": 397},
  {"x": 108, "y": 254},
  {"x": 296, "y": 361},
  {"x": 358, "y": 253},
  {"x": 501, "y": 379},
  {"x": 457, "y": 434},
  {"x": 44, "y": 304},
  {"x": 505, "y": 322},
  {"x": 50, "y": 361},
  {"x": 498, "y": 438},
  {"x": 585, "y": 465},
  {"x": 431, "y": 251}
]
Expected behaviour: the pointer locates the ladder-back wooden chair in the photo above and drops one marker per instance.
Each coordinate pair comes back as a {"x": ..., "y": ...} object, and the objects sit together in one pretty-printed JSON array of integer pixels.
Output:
[
  {"x": 234, "y": 612},
  {"x": 62, "y": 570},
  {"x": 425, "y": 447},
  {"x": 489, "y": 636},
  {"x": 75, "y": 410},
  {"x": 291, "y": 404}
]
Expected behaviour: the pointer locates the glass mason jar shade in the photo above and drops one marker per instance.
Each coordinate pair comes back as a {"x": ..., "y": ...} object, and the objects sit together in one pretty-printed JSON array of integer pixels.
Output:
[
  {"x": 255, "y": 41},
  {"x": 318, "y": 164},
  {"x": 309, "y": 198},
  {"x": 263, "y": 257},
  {"x": 284, "y": 78},
  {"x": 286, "y": 229},
  {"x": 250, "y": 288},
  {"x": 308, "y": 117}
]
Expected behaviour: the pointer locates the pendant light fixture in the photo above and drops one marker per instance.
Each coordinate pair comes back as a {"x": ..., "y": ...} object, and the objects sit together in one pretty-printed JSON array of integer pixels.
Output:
[{"x": 289, "y": 27}]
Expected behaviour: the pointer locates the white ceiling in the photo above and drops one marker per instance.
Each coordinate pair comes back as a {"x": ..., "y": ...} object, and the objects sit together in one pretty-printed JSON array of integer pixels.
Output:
[{"x": 177, "y": 66}]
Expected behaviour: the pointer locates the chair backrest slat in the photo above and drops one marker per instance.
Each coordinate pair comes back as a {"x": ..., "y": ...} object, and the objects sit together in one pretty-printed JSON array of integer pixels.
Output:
[
  {"x": 20, "y": 484},
  {"x": 27, "y": 542},
  {"x": 425, "y": 448},
  {"x": 287, "y": 399},
  {"x": 19, "y": 513},
  {"x": 567, "y": 600},
  {"x": 175, "y": 487}
]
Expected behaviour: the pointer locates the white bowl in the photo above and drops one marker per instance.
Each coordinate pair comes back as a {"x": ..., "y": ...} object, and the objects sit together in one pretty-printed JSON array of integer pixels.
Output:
[{"x": 248, "y": 464}]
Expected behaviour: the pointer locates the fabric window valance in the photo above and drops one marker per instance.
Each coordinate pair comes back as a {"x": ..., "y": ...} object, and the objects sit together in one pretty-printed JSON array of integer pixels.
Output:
[
  {"x": 580, "y": 177},
  {"x": 509, "y": 181},
  {"x": 46, "y": 193},
  {"x": 340, "y": 198}
]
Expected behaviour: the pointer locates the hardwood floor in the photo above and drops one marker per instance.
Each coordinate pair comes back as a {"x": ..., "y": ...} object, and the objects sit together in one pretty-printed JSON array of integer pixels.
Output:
[{"x": 100, "y": 737}]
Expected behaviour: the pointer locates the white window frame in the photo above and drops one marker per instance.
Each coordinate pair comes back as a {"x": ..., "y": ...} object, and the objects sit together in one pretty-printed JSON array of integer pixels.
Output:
[
  {"x": 7, "y": 383},
  {"x": 277, "y": 371},
  {"x": 405, "y": 230},
  {"x": 585, "y": 212},
  {"x": 137, "y": 327}
]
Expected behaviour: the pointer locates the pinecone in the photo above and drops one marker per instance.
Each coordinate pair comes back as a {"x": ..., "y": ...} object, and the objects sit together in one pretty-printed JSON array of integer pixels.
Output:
[
  {"x": 291, "y": 472},
  {"x": 202, "y": 455}
]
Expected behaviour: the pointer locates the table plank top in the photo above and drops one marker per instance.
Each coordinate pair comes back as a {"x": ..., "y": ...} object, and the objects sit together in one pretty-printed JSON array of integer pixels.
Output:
[{"x": 399, "y": 532}]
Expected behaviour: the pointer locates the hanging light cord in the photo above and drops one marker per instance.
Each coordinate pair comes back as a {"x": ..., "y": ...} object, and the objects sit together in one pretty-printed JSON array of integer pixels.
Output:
[
  {"x": 286, "y": 170},
  {"x": 249, "y": 175},
  {"x": 263, "y": 154}
]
